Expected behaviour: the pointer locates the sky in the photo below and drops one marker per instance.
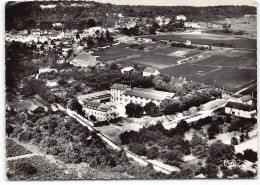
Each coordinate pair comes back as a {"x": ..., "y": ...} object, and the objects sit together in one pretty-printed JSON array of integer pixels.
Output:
[{"x": 181, "y": 2}]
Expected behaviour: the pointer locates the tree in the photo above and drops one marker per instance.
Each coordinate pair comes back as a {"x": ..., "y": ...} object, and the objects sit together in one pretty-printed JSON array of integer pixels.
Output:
[
  {"x": 126, "y": 31},
  {"x": 250, "y": 155},
  {"x": 199, "y": 147},
  {"x": 211, "y": 170},
  {"x": 138, "y": 148},
  {"x": 9, "y": 129},
  {"x": 92, "y": 117},
  {"x": 62, "y": 81},
  {"x": 213, "y": 130},
  {"x": 170, "y": 106},
  {"x": 152, "y": 30},
  {"x": 153, "y": 152},
  {"x": 171, "y": 156},
  {"x": 26, "y": 168},
  {"x": 151, "y": 109},
  {"x": 73, "y": 104},
  {"x": 91, "y": 23},
  {"x": 133, "y": 110},
  {"x": 156, "y": 25},
  {"x": 234, "y": 141},
  {"x": 242, "y": 138},
  {"x": 77, "y": 35},
  {"x": 113, "y": 66},
  {"x": 219, "y": 151}
]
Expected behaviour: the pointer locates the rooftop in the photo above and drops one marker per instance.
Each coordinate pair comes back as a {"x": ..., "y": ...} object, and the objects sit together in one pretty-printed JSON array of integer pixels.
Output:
[
  {"x": 95, "y": 95},
  {"x": 97, "y": 106},
  {"x": 241, "y": 106}
]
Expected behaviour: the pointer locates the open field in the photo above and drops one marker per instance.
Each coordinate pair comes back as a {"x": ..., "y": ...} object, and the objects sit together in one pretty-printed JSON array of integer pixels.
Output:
[
  {"x": 229, "y": 68},
  {"x": 154, "y": 54},
  {"x": 229, "y": 78},
  {"x": 208, "y": 39}
]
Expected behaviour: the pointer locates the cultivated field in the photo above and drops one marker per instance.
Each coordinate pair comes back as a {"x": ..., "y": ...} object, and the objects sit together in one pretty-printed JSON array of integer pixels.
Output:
[
  {"x": 230, "y": 69},
  {"x": 154, "y": 54},
  {"x": 209, "y": 39}
]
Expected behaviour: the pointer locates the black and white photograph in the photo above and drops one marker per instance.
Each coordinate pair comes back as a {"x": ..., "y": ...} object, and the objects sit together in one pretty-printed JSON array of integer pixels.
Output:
[{"x": 130, "y": 89}]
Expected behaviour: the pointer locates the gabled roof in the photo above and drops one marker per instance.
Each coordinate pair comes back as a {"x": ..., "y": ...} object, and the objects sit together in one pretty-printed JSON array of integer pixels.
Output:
[
  {"x": 119, "y": 86},
  {"x": 241, "y": 106},
  {"x": 150, "y": 70}
]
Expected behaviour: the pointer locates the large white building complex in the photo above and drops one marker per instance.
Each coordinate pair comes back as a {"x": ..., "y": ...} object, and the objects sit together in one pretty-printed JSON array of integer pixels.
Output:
[{"x": 124, "y": 94}]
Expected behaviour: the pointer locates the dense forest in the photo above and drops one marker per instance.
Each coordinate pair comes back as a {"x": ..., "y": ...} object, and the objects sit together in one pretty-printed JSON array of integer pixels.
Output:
[{"x": 26, "y": 15}]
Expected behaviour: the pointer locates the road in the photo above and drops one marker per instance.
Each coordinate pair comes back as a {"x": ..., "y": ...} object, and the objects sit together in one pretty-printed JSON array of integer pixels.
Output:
[{"x": 158, "y": 166}]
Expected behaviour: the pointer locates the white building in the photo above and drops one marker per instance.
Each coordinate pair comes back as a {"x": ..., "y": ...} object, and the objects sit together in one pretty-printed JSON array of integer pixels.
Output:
[
  {"x": 188, "y": 43},
  {"x": 150, "y": 71},
  {"x": 46, "y": 70},
  {"x": 191, "y": 25},
  {"x": 127, "y": 70},
  {"x": 181, "y": 18},
  {"x": 241, "y": 110},
  {"x": 124, "y": 95},
  {"x": 101, "y": 111}
]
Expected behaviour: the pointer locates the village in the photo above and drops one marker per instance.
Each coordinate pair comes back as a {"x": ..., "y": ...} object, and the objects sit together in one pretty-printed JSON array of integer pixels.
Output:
[{"x": 125, "y": 82}]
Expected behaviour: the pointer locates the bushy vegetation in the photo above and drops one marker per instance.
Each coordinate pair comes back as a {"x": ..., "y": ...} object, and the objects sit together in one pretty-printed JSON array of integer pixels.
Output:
[
  {"x": 69, "y": 141},
  {"x": 36, "y": 168},
  {"x": 13, "y": 149},
  {"x": 156, "y": 142}
]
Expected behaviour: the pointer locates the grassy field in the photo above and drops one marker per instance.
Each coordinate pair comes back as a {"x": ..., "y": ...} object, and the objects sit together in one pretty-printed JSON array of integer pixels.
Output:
[
  {"x": 209, "y": 39},
  {"x": 229, "y": 78},
  {"x": 242, "y": 60}
]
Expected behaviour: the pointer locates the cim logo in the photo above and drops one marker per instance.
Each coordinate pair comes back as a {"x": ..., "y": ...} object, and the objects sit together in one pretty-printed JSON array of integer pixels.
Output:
[{"x": 230, "y": 163}]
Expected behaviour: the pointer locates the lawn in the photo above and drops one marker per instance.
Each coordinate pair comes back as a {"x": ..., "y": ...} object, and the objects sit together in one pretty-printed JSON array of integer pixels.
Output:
[{"x": 13, "y": 149}]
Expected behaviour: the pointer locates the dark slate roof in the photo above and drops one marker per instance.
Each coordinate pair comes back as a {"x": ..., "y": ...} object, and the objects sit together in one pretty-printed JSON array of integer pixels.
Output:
[
  {"x": 152, "y": 94},
  {"x": 241, "y": 106},
  {"x": 119, "y": 86}
]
